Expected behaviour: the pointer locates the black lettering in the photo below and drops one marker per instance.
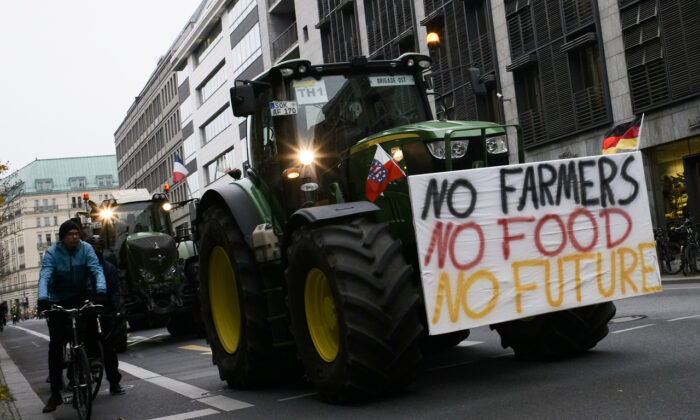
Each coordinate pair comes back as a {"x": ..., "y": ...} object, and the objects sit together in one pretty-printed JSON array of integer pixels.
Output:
[
  {"x": 438, "y": 197},
  {"x": 585, "y": 184},
  {"x": 545, "y": 194},
  {"x": 528, "y": 185},
  {"x": 505, "y": 189},
  {"x": 567, "y": 183},
  {"x": 606, "y": 193},
  {"x": 450, "y": 195},
  {"x": 629, "y": 179}
]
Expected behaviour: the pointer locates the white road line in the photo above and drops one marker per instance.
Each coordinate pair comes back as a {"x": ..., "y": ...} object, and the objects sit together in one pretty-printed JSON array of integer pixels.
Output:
[
  {"x": 467, "y": 343},
  {"x": 633, "y": 328},
  {"x": 190, "y": 415},
  {"x": 684, "y": 317},
  {"x": 199, "y": 394},
  {"x": 296, "y": 397}
]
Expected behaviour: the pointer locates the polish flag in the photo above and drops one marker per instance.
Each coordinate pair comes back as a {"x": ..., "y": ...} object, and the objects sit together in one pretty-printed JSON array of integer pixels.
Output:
[
  {"x": 383, "y": 170},
  {"x": 179, "y": 170}
]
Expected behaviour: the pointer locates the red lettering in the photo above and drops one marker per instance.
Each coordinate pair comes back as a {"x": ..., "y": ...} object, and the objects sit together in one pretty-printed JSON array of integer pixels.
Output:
[
  {"x": 441, "y": 241},
  {"x": 507, "y": 238},
  {"x": 538, "y": 229},
  {"x": 480, "y": 254},
  {"x": 572, "y": 234},
  {"x": 606, "y": 213}
]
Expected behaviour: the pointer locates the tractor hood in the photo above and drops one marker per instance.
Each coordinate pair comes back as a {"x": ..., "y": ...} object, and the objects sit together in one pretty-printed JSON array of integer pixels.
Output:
[{"x": 152, "y": 257}]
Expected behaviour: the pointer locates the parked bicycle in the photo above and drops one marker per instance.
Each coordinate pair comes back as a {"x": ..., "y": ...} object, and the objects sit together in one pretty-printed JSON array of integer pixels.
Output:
[
  {"x": 690, "y": 246},
  {"x": 79, "y": 370},
  {"x": 669, "y": 253}
]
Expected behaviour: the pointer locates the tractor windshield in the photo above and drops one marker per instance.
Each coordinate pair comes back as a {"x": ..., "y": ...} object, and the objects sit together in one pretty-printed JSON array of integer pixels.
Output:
[
  {"x": 143, "y": 216},
  {"x": 346, "y": 108}
]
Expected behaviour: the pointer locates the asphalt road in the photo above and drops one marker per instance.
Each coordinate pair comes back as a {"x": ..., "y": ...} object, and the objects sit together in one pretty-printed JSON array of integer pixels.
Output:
[{"x": 647, "y": 368}]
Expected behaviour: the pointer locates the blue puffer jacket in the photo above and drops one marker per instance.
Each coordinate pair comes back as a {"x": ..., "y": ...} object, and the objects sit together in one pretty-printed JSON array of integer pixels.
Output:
[{"x": 64, "y": 274}]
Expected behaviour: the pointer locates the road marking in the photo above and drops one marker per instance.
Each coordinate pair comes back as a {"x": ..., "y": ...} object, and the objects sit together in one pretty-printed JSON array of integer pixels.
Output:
[
  {"x": 633, "y": 328},
  {"x": 138, "y": 339},
  {"x": 202, "y": 349},
  {"x": 467, "y": 343},
  {"x": 297, "y": 397},
  {"x": 190, "y": 415},
  {"x": 684, "y": 317},
  {"x": 198, "y": 394}
]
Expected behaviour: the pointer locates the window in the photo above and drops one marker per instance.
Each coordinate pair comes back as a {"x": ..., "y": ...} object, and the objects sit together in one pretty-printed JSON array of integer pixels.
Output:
[
  {"x": 44, "y": 185},
  {"x": 527, "y": 90},
  {"x": 36, "y": 205},
  {"x": 55, "y": 220},
  {"x": 72, "y": 205},
  {"x": 217, "y": 124},
  {"x": 38, "y": 221},
  {"x": 47, "y": 221},
  {"x": 589, "y": 97},
  {"x": 38, "y": 238},
  {"x": 239, "y": 11},
  {"x": 246, "y": 49},
  {"x": 340, "y": 40},
  {"x": 48, "y": 239},
  {"x": 46, "y": 204},
  {"x": 217, "y": 78},
  {"x": 77, "y": 183},
  {"x": 220, "y": 166},
  {"x": 53, "y": 204},
  {"x": 209, "y": 40},
  {"x": 104, "y": 181}
]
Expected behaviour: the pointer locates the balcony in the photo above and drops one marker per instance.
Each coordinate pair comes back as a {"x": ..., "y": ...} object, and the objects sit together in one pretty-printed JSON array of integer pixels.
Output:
[
  {"x": 42, "y": 245},
  {"x": 285, "y": 7},
  {"x": 282, "y": 45}
]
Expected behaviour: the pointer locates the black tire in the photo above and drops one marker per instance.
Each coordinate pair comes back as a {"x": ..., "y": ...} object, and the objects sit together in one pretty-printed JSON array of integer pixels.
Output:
[
  {"x": 181, "y": 324},
  {"x": 376, "y": 332},
  {"x": 557, "y": 335},
  {"x": 671, "y": 259},
  {"x": 437, "y": 343},
  {"x": 82, "y": 384},
  {"x": 244, "y": 355}
]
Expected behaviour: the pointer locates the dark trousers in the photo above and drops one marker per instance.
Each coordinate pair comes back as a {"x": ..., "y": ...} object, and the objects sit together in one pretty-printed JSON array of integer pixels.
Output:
[
  {"x": 59, "y": 333},
  {"x": 108, "y": 324}
]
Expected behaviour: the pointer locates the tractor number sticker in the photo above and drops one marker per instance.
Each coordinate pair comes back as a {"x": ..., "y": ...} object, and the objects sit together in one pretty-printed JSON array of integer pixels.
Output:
[
  {"x": 509, "y": 242},
  {"x": 402, "y": 80},
  {"x": 278, "y": 108},
  {"x": 310, "y": 92}
]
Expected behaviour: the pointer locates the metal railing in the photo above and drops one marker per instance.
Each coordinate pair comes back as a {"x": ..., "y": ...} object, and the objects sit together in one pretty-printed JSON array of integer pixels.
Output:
[{"x": 285, "y": 40}]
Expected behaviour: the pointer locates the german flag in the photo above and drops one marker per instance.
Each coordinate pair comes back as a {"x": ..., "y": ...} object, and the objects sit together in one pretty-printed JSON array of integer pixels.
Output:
[{"x": 623, "y": 137}]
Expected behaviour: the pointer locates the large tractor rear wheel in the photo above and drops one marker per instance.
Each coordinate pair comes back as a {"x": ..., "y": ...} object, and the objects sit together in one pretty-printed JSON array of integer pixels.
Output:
[
  {"x": 354, "y": 312},
  {"x": 232, "y": 302},
  {"x": 557, "y": 335}
]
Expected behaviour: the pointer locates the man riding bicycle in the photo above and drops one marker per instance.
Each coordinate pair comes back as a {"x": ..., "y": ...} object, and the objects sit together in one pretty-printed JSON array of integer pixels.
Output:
[{"x": 64, "y": 279}]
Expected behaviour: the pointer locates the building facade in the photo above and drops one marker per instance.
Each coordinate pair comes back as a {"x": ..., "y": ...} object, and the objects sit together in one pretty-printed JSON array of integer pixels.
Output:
[
  {"x": 48, "y": 192},
  {"x": 566, "y": 71}
]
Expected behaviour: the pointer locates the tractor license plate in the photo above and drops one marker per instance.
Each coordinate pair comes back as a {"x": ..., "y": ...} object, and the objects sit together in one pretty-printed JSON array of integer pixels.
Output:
[{"x": 278, "y": 108}]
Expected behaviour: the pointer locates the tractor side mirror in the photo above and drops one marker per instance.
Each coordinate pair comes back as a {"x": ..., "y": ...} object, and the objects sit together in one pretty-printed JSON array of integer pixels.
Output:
[{"x": 243, "y": 100}]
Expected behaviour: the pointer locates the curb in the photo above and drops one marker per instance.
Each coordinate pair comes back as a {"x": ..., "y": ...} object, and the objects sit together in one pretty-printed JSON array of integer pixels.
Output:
[{"x": 26, "y": 403}]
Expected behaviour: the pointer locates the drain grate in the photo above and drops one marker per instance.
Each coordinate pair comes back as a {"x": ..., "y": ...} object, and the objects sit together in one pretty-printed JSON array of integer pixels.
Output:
[{"x": 627, "y": 318}]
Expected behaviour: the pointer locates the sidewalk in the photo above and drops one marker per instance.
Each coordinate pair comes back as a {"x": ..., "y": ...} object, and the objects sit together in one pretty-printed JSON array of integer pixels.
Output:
[{"x": 27, "y": 404}]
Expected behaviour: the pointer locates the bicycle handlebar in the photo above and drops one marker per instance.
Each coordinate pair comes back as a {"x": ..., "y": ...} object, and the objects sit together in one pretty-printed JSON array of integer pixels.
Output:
[{"x": 58, "y": 308}]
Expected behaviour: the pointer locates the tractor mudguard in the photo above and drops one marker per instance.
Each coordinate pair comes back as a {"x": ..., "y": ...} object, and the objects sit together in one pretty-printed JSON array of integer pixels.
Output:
[
  {"x": 311, "y": 215},
  {"x": 239, "y": 204}
]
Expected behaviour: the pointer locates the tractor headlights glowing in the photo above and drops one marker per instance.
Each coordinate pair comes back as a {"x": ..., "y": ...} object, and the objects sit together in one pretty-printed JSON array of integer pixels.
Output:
[
  {"x": 495, "y": 145},
  {"x": 437, "y": 148},
  {"x": 306, "y": 157},
  {"x": 167, "y": 206},
  {"x": 106, "y": 214}
]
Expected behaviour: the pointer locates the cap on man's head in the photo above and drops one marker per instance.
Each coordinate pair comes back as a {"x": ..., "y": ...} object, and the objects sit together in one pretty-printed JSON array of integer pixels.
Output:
[{"x": 66, "y": 227}]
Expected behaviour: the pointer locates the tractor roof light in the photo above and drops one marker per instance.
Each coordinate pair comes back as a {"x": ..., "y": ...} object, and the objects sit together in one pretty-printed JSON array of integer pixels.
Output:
[{"x": 433, "y": 40}]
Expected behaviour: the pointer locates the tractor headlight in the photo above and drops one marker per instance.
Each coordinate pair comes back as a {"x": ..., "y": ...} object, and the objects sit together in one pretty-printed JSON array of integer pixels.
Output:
[
  {"x": 437, "y": 148},
  {"x": 106, "y": 214},
  {"x": 306, "y": 157},
  {"x": 167, "y": 206},
  {"x": 146, "y": 275},
  {"x": 170, "y": 273},
  {"x": 496, "y": 145}
]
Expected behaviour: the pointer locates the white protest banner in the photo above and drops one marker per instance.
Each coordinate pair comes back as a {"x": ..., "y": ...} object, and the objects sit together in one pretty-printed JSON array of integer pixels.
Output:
[{"x": 508, "y": 242}]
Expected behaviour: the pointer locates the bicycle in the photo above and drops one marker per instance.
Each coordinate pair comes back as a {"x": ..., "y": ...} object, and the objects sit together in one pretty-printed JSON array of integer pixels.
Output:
[
  {"x": 76, "y": 359},
  {"x": 670, "y": 254},
  {"x": 690, "y": 246}
]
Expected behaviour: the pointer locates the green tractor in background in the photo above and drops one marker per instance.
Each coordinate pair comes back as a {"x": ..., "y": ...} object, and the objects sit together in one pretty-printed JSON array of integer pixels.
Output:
[
  {"x": 294, "y": 261},
  {"x": 157, "y": 270}
]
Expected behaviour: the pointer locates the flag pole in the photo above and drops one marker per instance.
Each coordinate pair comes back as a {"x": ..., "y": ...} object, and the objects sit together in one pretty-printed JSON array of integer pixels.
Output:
[{"x": 639, "y": 134}]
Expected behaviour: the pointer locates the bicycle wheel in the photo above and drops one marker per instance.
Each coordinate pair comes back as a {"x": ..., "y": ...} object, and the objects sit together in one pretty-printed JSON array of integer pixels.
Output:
[
  {"x": 671, "y": 259},
  {"x": 98, "y": 373},
  {"x": 82, "y": 384},
  {"x": 692, "y": 254}
]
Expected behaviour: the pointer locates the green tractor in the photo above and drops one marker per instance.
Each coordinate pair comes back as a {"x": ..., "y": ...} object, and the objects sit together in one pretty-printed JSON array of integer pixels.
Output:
[
  {"x": 156, "y": 268},
  {"x": 295, "y": 261}
]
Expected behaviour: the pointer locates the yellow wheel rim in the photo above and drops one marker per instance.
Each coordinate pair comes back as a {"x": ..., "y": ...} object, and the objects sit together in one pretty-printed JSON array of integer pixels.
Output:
[
  {"x": 223, "y": 297},
  {"x": 320, "y": 315}
]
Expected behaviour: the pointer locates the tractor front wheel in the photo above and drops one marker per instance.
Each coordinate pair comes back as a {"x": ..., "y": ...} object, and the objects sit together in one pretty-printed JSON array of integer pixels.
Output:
[
  {"x": 557, "y": 335},
  {"x": 354, "y": 312},
  {"x": 232, "y": 302}
]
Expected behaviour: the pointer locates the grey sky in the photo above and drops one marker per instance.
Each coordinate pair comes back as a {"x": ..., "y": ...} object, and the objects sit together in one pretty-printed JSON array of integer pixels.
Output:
[{"x": 70, "y": 69}]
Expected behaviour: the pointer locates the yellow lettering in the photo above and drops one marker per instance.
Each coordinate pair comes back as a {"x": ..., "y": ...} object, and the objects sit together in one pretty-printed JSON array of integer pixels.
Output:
[
  {"x": 445, "y": 292},
  {"x": 481, "y": 274},
  {"x": 599, "y": 274},
  {"x": 576, "y": 258},
  {"x": 645, "y": 268},
  {"x": 626, "y": 271},
  {"x": 520, "y": 288}
]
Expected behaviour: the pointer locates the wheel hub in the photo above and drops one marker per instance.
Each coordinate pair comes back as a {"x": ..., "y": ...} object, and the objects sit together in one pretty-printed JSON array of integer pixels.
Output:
[
  {"x": 321, "y": 318},
  {"x": 223, "y": 296}
]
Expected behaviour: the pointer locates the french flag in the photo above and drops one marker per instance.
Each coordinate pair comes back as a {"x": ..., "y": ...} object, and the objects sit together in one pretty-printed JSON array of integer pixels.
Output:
[
  {"x": 179, "y": 170},
  {"x": 383, "y": 170}
]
